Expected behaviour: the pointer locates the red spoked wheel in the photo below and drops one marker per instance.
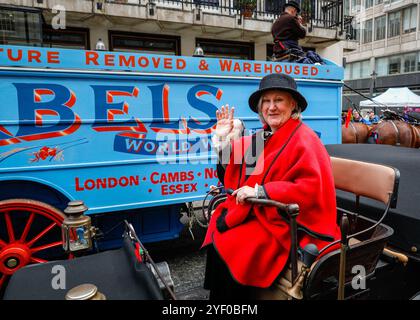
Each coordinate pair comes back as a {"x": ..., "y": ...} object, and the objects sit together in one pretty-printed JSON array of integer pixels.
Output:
[{"x": 30, "y": 232}]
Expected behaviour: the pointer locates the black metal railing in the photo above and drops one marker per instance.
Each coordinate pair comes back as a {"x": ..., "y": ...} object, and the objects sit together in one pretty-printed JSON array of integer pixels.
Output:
[
  {"x": 349, "y": 29},
  {"x": 326, "y": 14}
]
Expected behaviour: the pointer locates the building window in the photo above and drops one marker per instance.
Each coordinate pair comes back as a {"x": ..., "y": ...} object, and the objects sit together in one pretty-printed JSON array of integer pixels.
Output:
[
  {"x": 355, "y": 71},
  {"x": 347, "y": 71},
  {"x": 145, "y": 43},
  {"x": 355, "y": 30},
  {"x": 404, "y": 63},
  {"x": 394, "y": 65},
  {"x": 346, "y": 5},
  {"x": 410, "y": 62},
  {"x": 365, "y": 70},
  {"x": 367, "y": 31},
  {"x": 409, "y": 19},
  {"x": 380, "y": 24},
  {"x": 378, "y": 1},
  {"x": 394, "y": 19},
  {"x": 355, "y": 5},
  {"x": 7, "y": 22},
  {"x": 227, "y": 49},
  {"x": 418, "y": 61},
  {"x": 381, "y": 66},
  {"x": 71, "y": 38},
  {"x": 368, "y": 3},
  {"x": 20, "y": 26},
  {"x": 209, "y": 3}
]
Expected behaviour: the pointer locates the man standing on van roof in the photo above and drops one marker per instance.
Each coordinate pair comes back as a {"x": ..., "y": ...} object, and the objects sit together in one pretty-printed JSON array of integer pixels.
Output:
[{"x": 288, "y": 29}]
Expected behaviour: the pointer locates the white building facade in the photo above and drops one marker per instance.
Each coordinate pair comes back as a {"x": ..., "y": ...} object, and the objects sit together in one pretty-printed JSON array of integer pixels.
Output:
[
  {"x": 388, "y": 46},
  {"x": 223, "y": 28}
]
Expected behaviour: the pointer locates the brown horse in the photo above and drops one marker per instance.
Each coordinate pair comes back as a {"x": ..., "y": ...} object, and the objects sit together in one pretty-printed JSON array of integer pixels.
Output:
[
  {"x": 397, "y": 133},
  {"x": 417, "y": 135},
  {"x": 356, "y": 132}
]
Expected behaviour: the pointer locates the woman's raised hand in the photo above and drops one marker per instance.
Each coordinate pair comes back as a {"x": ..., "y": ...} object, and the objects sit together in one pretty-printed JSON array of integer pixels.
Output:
[{"x": 224, "y": 118}]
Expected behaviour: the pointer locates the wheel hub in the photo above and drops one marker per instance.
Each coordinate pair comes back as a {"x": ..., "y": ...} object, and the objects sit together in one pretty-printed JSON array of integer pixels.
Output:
[
  {"x": 12, "y": 263},
  {"x": 13, "y": 257},
  {"x": 19, "y": 253}
]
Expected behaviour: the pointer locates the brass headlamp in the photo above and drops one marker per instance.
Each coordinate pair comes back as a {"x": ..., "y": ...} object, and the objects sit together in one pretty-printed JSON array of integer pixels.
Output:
[
  {"x": 86, "y": 291},
  {"x": 77, "y": 230}
]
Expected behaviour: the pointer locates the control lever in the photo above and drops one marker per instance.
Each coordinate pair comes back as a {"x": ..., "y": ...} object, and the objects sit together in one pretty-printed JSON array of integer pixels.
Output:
[
  {"x": 229, "y": 191},
  {"x": 309, "y": 254}
]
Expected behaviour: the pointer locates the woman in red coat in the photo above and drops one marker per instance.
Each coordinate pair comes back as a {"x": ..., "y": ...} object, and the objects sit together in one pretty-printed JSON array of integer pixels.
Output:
[{"x": 249, "y": 246}]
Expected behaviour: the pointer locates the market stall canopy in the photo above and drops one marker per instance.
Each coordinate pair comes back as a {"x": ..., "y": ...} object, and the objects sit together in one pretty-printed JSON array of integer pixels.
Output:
[{"x": 394, "y": 98}]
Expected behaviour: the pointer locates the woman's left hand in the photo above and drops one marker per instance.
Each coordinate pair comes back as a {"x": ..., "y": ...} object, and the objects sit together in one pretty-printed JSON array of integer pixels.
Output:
[{"x": 242, "y": 193}]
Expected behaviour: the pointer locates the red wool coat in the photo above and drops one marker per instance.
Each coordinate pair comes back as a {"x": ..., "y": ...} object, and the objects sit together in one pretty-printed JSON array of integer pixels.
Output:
[{"x": 257, "y": 244}]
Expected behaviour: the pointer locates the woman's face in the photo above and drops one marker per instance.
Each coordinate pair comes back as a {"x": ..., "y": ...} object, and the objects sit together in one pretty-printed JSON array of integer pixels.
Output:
[{"x": 277, "y": 107}]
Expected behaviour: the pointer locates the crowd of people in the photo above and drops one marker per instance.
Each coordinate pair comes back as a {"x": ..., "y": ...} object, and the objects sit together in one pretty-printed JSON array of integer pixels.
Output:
[{"x": 369, "y": 118}]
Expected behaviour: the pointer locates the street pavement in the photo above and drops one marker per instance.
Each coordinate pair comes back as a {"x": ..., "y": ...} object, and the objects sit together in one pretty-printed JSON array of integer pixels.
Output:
[{"x": 186, "y": 262}]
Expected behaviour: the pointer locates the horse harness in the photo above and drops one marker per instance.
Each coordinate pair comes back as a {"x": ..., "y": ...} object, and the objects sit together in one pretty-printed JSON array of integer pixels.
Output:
[
  {"x": 355, "y": 132},
  {"x": 397, "y": 132}
]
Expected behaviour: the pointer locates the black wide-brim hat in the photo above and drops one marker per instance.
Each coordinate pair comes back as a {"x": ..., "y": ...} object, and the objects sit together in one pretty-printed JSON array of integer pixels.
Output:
[
  {"x": 277, "y": 81},
  {"x": 293, "y": 4}
]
